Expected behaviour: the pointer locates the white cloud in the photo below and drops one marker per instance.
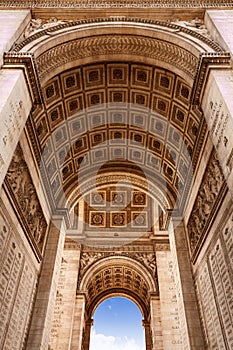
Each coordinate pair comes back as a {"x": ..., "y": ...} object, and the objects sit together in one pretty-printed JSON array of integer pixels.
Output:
[
  {"x": 103, "y": 342},
  {"x": 110, "y": 307}
]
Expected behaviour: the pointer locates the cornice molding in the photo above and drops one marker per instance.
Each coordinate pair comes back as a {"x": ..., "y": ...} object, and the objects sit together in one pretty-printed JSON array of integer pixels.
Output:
[
  {"x": 208, "y": 61},
  {"x": 26, "y": 62},
  {"x": 114, "y": 4}
]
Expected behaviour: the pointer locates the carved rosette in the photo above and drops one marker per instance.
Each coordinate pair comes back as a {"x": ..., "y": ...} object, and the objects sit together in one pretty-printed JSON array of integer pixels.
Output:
[
  {"x": 24, "y": 197},
  {"x": 206, "y": 203}
]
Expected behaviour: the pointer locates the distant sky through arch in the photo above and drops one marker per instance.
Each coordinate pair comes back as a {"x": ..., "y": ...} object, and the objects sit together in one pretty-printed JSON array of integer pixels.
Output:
[{"x": 117, "y": 326}]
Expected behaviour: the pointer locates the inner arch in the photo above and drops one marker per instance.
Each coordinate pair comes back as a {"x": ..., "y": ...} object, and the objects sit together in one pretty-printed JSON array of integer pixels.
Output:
[{"x": 117, "y": 323}]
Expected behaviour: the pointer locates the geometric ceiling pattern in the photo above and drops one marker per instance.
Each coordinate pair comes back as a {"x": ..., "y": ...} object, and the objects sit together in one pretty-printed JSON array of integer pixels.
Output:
[
  {"x": 118, "y": 207},
  {"x": 118, "y": 116}
]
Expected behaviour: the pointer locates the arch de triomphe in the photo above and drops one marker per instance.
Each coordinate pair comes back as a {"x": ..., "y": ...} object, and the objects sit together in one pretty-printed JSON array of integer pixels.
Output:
[{"x": 116, "y": 157}]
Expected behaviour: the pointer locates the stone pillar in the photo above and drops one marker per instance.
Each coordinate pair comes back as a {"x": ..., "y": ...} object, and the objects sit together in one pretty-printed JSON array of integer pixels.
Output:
[
  {"x": 217, "y": 101},
  {"x": 87, "y": 334},
  {"x": 148, "y": 338},
  {"x": 171, "y": 333},
  {"x": 46, "y": 294},
  {"x": 217, "y": 104},
  {"x": 78, "y": 324},
  {"x": 63, "y": 317},
  {"x": 15, "y": 106},
  {"x": 186, "y": 296},
  {"x": 156, "y": 327}
]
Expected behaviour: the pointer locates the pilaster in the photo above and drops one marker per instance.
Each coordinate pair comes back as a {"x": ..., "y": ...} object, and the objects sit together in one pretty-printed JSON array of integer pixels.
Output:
[
  {"x": 13, "y": 23},
  {"x": 46, "y": 294},
  {"x": 156, "y": 326},
  {"x": 64, "y": 311},
  {"x": 185, "y": 291},
  {"x": 79, "y": 321},
  {"x": 15, "y": 106},
  {"x": 217, "y": 104},
  {"x": 171, "y": 331}
]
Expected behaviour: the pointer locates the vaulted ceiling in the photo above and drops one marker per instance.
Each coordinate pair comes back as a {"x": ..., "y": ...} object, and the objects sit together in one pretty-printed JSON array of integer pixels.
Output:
[{"x": 118, "y": 117}]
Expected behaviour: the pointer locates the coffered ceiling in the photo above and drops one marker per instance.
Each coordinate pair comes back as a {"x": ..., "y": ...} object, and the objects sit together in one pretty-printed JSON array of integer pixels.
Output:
[{"x": 117, "y": 118}]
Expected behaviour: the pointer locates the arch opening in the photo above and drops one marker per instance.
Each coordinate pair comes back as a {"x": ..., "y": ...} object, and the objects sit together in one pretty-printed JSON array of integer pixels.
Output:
[
  {"x": 117, "y": 325},
  {"x": 119, "y": 276}
]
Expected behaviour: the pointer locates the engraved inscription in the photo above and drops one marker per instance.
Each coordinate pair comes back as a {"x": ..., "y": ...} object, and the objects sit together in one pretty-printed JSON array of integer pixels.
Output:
[
  {"x": 209, "y": 312},
  {"x": 11, "y": 121},
  {"x": 218, "y": 122}
]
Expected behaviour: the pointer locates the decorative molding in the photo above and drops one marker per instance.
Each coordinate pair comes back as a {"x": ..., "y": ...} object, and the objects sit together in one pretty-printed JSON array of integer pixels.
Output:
[
  {"x": 209, "y": 196},
  {"x": 24, "y": 197},
  {"x": 25, "y": 61},
  {"x": 216, "y": 60},
  {"x": 196, "y": 25},
  {"x": 148, "y": 259},
  {"x": 113, "y": 4},
  {"x": 113, "y": 45},
  {"x": 124, "y": 44},
  {"x": 40, "y": 27}
]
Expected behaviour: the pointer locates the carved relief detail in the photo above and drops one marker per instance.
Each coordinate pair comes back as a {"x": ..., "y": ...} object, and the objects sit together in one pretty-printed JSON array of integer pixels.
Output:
[
  {"x": 205, "y": 202},
  {"x": 38, "y": 24},
  {"x": 147, "y": 259},
  {"x": 22, "y": 190},
  {"x": 108, "y": 45},
  {"x": 197, "y": 25}
]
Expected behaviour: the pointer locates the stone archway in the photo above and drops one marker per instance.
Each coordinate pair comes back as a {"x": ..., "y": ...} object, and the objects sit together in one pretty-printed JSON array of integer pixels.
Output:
[
  {"x": 68, "y": 67},
  {"x": 119, "y": 276}
]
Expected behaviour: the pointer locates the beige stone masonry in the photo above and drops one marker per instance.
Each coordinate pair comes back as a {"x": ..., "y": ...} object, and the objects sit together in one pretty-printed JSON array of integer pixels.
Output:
[
  {"x": 220, "y": 25},
  {"x": 157, "y": 337},
  {"x": 61, "y": 333},
  {"x": 171, "y": 332},
  {"x": 47, "y": 288},
  {"x": 15, "y": 106},
  {"x": 184, "y": 286},
  {"x": 78, "y": 322},
  {"x": 13, "y": 24},
  {"x": 217, "y": 105}
]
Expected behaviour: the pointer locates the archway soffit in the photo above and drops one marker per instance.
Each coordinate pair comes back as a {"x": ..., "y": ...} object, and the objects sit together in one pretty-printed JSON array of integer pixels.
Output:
[{"x": 118, "y": 261}]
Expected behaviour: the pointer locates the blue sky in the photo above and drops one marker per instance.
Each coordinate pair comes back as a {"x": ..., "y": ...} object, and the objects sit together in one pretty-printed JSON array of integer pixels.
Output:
[{"x": 117, "y": 326}]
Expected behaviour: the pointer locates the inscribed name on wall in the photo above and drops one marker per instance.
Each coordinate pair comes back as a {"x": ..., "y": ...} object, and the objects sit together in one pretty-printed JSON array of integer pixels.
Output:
[{"x": 18, "y": 276}]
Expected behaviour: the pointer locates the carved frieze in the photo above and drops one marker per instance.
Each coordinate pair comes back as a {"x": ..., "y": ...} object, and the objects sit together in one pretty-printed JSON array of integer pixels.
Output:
[
  {"x": 113, "y": 45},
  {"x": 206, "y": 203},
  {"x": 148, "y": 259},
  {"x": 25, "y": 199}
]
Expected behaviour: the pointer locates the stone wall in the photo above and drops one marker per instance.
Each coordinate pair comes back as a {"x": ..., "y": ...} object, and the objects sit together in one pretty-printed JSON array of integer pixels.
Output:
[
  {"x": 213, "y": 278},
  {"x": 63, "y": 315},
  {"x": 18, "y": 278},
  {"x": 170, "y": 316}
]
